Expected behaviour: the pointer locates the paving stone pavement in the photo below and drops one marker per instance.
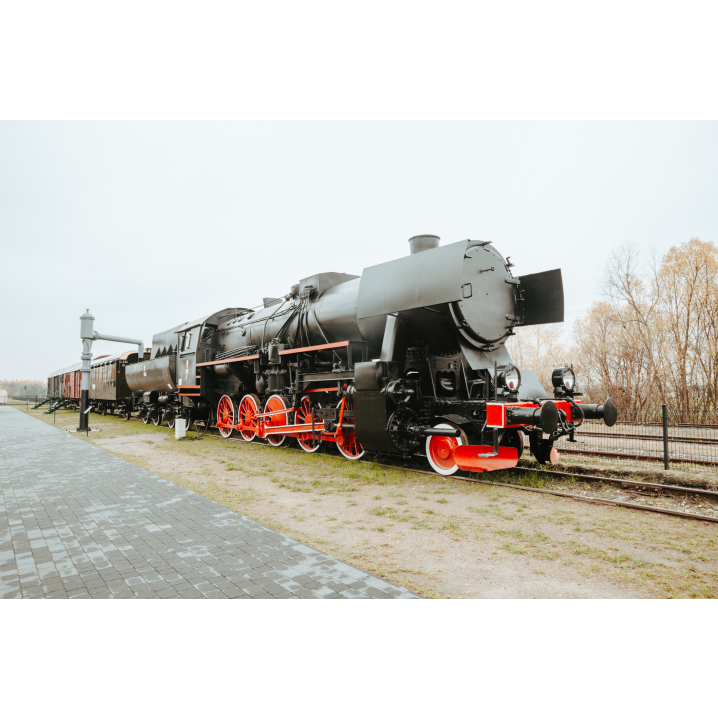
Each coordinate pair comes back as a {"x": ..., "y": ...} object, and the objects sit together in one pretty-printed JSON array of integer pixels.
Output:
[{"x": 78, "y": 522}]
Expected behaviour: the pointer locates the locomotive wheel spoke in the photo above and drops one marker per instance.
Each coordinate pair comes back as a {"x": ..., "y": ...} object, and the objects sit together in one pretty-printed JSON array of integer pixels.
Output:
[
  {"x": 248, "y": 410},
  {"x": 304, "y": 416},
  {"x": 226, "y": 414},
  {"x": 350, "y": 448},
  {"x": 276, "y": 403},
  {"x": 158, "y": 418},
  {"x": 440, "y": 451}
]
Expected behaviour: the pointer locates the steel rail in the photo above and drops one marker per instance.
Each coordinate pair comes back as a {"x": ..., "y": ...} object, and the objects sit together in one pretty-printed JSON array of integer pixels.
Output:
[
  {"x": 575, "y": 497},
  {"x": 659, "y": 424},
  {"x": 652, "y": 437},
  {"x": 626, "y": 483},
  {"x": 636, "y": 457}
]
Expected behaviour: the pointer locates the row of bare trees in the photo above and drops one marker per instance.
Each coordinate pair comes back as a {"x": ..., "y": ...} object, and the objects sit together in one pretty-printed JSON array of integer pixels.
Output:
[{"x": 653, "y": 338}]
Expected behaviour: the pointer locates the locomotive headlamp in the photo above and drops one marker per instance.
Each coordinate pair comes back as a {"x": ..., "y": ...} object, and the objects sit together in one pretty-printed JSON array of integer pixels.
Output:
[
  {"x": 564, "y": 378},
  {"x": 509, "y": 378}
]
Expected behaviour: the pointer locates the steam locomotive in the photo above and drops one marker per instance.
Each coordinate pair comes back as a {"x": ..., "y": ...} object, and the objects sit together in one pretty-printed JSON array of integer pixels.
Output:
[{"x": 408, "y": 357}]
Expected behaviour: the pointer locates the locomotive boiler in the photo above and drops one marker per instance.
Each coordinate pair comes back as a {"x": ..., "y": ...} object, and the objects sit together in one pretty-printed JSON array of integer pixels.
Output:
[{"x": 409, "y": 357}]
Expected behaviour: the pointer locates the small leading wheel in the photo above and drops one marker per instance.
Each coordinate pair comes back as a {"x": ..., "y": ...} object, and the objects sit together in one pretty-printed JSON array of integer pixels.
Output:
[
  {"x": 440, "y": 451},
  {"x": 304, "y": 416},
  {"x": 146, "y": 419},
  {"x": 157, "y": 419},
  {"x": 349, "y": 447},
  {"x": 276, "y": 403},
  {"x": 171, "y": 423},
  {"x": 226, "y": 414},
  {"x": 189, "y": 422},
  {"x": 513, "y": 438},
  {"x": 248, "y": 410}
]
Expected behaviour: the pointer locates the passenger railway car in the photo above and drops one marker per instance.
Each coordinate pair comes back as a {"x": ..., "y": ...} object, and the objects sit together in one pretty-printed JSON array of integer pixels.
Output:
[
  {"x": 108, "y": 385},
  {"x": 64, "y": 384}
]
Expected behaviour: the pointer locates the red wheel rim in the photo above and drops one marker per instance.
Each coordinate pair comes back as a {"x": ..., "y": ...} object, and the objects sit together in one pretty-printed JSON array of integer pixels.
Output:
[
  {"x": 349, "y": 447},
  {"x": 440, "y": 451},
  {"x": 275, "y": 403},
  {"x": 304, "y": 416},
  {"x": 225, "y": 415},
  {"x": 248, "y": 410}
]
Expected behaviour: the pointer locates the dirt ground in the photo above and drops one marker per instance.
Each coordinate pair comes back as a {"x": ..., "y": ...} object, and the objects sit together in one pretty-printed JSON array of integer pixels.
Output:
[{"x": 440, "y": 537}]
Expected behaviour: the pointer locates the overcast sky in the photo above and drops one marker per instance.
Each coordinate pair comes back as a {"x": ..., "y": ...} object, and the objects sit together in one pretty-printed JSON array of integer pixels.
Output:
[{"x": 150, "y": 224}]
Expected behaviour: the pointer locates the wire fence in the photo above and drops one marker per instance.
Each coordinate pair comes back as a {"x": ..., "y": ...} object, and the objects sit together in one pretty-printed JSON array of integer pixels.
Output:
[
  {"x": 22, "y": 400},
  {"x": 679, "y": 440}
]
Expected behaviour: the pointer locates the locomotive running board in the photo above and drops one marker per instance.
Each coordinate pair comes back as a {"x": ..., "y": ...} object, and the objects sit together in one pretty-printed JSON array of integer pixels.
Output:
[{"x": 469, "y": 458}]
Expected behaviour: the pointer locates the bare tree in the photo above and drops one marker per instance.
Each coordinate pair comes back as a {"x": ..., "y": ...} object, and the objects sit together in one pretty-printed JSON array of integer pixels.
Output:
[
  {"x": 634, "y": 294},
  {"x": 655, "y": 337},
  {"x": 540, "y": 348}
]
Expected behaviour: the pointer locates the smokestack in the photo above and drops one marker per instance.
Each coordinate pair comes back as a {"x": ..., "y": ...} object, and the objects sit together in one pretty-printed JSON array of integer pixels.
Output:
[{"x": 422, "y": 242}]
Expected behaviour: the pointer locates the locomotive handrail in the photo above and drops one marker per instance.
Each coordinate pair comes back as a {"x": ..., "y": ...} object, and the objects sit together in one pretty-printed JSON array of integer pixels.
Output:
[
  {"x": 227, "y": 361},
  {"x": 316, "y": 348}
]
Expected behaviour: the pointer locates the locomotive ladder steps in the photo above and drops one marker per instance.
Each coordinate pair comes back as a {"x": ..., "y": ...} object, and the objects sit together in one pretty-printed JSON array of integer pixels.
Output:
[{"x": 58, "y": 406}]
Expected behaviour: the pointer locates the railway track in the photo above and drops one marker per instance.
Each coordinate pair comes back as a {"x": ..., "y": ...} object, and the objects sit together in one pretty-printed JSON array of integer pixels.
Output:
[
  {"x": 659, "y": 424},
  {"x": 639, "y": 487},
  {"x": 626, "y": 456},
  {"x": 653, "y": 437},
  {"x": 642, "y": 488},
  {"x": 632, "y": 485}
]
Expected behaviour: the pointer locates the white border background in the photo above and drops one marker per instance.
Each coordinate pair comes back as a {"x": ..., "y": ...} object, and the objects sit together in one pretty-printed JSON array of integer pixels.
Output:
[{"x": 370, "y": 60}]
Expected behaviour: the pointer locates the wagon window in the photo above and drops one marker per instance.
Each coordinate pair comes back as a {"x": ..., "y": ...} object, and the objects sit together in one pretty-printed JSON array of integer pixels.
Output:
[{"x": 189, "y": 341}]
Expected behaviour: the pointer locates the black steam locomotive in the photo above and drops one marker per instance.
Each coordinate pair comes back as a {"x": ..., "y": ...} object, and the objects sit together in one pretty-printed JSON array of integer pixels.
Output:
[{"x": 409, "y": 357}]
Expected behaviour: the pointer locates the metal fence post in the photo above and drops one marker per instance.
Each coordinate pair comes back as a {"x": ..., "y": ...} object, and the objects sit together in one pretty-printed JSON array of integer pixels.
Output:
[{"x": 664, "y": 410}]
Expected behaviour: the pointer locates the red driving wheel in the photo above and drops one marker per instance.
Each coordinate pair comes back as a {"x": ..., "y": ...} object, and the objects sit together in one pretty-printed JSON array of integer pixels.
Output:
[
  {"x": 226, "y": 415},
  {"x": 304, "y": 416},
  {"x": 248, "y": 410},
  {"x": 347, "y": 443},
  {"x": 276, "y": 403}
]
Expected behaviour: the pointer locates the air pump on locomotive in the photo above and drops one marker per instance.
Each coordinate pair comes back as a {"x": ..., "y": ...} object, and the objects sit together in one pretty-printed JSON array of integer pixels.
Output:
[{"x": 410, "y": 357}]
